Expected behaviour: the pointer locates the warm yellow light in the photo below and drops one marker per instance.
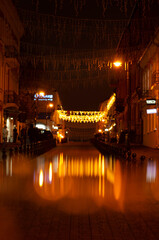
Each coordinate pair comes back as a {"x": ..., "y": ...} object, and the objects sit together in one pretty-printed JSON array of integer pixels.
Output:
[
  {"x": 51, "y": 105},
  {"x": 117, "y": 64},
  {"x": 41, "y": 178},
  {"x": 82, "y": 116},
  {"x": 41, "y": 94},
  {"x": 99, "y": 130},
  {"x": 50, "y": 172},
  {"x": 111, "y": 101}
]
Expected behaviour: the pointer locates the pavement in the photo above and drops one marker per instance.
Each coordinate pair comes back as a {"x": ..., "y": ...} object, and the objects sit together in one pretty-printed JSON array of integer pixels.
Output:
[
  {"x": 145, "y": 151},
  {"x": 24, "y": 215},
  {"x": 140, "y": 150}
]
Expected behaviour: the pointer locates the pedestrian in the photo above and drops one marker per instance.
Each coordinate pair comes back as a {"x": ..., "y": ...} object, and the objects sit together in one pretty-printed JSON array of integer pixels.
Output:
[
  {"x": 23, "y": 135},
  {"x": 15, "y": 134},
  {"x": 5, "y": 134},
  {"x": 31, "y": 134}
]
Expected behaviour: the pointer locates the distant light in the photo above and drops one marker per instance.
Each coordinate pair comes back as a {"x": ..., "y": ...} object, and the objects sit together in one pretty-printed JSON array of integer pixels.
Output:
[
  {"x": 51, "y": 105},
  {"x": 117, "y": 64},
  {"x": 151, "y": 111},
  {"x": 55, "y": 127},
  {"x": 151, "y": 101},
  {"x": 99, "y": 130},
  {"x": 41, "y": 94},
  {"x": 40, "y": 126}
]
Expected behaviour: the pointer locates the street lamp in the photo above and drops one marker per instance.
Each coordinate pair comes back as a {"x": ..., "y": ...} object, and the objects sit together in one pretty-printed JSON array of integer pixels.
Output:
[
  {"x": 37, "y": 96},
  {"x": 50, "y": 105},
  {"x": 128, "y": 81},
  {"x": 117, "y": 64},
  {"x": 41, "y": 94}
]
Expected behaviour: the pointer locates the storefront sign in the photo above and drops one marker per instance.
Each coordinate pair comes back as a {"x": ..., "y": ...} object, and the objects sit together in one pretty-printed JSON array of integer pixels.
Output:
[
  {"x": 43, "y": 98},
  {"x": 151, "y": 111},
  {"x": 151, "y": 101}
]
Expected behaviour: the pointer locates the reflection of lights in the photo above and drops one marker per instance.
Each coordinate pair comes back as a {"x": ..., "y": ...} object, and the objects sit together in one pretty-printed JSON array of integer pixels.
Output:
[
  {"x": 50, "y": 172},
  {"x": 117, "y": 181},
  {"x": 64, "y": 169},
  {"x": 55, "y": 163},
  {"x": 41, "y": 178},
  {"x": 151, "y": 171},
  {"x": 9, "y": 167}
]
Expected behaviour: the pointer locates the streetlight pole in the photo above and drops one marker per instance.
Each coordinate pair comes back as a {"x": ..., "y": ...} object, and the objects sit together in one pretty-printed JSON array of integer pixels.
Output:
[
  {"x": 128, "y": 79},
  {"x": 128, "y": 83},
  {"x": 50, "y": 105}
]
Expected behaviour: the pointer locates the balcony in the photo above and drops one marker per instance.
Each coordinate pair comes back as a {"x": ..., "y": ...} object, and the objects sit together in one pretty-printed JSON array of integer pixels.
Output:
[
  {"x": 155, "y": 80},
  {"x": 10, "y": 99}
]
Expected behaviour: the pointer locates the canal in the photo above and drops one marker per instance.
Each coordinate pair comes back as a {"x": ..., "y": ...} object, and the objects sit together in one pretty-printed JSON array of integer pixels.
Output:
[{"x": 75, "y": 192}]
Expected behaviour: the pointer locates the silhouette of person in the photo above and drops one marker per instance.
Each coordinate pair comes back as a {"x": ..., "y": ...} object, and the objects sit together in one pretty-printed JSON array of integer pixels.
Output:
[
  {"x": 5, "y": 134},
  {"x": 15, "y": 134}
]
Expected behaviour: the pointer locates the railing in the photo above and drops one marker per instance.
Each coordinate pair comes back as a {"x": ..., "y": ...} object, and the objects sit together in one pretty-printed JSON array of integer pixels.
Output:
[{"x": 10, "y": 97}]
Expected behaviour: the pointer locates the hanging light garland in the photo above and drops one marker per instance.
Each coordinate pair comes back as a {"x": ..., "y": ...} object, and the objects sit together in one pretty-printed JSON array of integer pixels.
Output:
[
  {"x": 81, "y": 116},
  {"x": 111, "y": 101}
]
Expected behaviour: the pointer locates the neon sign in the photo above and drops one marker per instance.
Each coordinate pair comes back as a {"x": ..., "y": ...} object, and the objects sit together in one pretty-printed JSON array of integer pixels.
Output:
[{"x": 43, "y": 98}]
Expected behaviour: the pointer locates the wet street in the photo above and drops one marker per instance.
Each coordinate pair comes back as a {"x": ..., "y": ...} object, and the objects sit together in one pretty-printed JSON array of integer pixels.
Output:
[{"x": 74, "y": 192}]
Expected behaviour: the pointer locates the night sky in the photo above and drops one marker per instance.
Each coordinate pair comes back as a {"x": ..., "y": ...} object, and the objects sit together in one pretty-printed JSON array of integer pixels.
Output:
[{"x": 74, "y": 97}]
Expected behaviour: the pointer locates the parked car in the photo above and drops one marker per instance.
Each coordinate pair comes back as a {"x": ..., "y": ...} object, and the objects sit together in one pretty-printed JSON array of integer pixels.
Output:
[{"x": 43, "y": 135}]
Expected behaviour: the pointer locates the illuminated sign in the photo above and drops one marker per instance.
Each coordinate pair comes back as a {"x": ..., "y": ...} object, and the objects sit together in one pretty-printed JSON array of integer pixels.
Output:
[
  {"x": 43, "y": 98},
  {"x": 151, "y": 101},
  {"x": 151, "y": 111}
]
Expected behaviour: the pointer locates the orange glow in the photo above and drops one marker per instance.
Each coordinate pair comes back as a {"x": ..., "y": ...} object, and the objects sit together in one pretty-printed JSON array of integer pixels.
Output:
[
  {"x": 51, "y": 105},
  {"x": 50, "y": 172},
  {"x": 41, "y": 94},
  {"x": 117, "y": 181},
  {"x": 41, "y": 178},
  {"x": 117, "y": 64}
]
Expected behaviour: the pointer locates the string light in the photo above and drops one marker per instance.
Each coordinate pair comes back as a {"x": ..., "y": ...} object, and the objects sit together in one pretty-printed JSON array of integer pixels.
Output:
[
  {"x": 81, "y": 116},
  {"x": 111, "y": 101}
]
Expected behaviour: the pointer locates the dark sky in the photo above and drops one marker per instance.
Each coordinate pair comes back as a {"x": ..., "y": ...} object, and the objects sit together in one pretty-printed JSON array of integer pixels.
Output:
[
  {"x": 77, "y": 98},
  {"x": 86, "y": 99}
]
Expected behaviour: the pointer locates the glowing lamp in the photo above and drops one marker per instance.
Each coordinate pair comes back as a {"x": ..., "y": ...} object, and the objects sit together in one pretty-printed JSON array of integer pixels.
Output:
[
  {"x": 51, "y": 105},
  {"x": 117, "y": 64},
  {"x": 41, "y": 94}
]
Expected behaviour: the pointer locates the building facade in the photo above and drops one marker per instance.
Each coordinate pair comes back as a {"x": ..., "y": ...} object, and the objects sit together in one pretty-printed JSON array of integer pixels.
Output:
[
  {"x": 10, "y": 34},
  {"x": 149, "y": 64},
  {"x": 130, "y": 90}
]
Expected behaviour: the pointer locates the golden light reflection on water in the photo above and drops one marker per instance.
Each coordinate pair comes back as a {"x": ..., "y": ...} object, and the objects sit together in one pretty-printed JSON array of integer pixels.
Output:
[
  {"x": 41, "y": 178},
  {"x": 77, "y": 176}
]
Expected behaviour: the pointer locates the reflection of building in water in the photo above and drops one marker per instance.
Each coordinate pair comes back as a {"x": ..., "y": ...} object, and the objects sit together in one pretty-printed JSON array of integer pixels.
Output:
[{"x": 77, "y": 176}]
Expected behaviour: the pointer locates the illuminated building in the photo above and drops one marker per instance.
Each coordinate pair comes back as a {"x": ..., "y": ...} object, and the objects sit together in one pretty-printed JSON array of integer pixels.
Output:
[
  {"x": 149, "y": 63},
  {"x": 10, "y": 34},
  {"x": 130, "y": 92},
  {"x": 108, "y": 125}
]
